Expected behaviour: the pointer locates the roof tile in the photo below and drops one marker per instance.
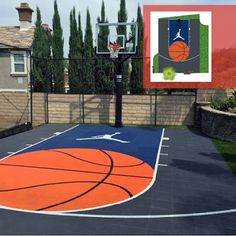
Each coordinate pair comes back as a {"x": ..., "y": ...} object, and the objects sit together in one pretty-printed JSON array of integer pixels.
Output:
[{"x": 14, "y": 37}]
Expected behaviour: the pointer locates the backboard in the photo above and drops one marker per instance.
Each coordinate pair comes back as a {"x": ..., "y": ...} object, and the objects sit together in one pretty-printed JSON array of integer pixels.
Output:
[{"x": 124, "y": 34}]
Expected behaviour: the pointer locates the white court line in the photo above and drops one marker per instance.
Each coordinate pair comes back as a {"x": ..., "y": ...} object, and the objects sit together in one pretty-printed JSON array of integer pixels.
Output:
[
  {"x": 163, "y": 165},
  {"x": 57, "y": 133},
  {"x": 23, "y": 149},
  {"x": 165, "y": 146},
  {"x": 209, "y": 213},
  {"x": 166, "y": 138},
  {"x": 164, "y": 154},
  {"x": 181, "y": 215}
]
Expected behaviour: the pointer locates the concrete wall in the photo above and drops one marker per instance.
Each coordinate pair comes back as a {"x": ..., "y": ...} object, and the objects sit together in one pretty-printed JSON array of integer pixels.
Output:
[
  {"x": 10, "y": 82},
  {"x": 39, "y": 109},
  {"x": 171, "y": 110},
  {"x": 14, "y": 109},
  {"x": 208, "y": 95},
  {"x": 65, "y": 108}
]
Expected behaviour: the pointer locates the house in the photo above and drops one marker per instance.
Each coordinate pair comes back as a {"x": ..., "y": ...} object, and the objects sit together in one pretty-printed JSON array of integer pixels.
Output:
[{"x": 15, "y": 49}]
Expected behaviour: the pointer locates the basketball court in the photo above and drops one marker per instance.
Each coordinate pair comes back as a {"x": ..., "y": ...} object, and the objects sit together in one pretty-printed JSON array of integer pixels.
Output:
[{"x": 97, "y": 179}]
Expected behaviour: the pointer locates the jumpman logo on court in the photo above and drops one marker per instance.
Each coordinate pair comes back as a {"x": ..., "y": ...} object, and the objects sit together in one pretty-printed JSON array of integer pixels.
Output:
[
  {"x": 178, "y": 36},
  {"x": 105, "y": 137}
]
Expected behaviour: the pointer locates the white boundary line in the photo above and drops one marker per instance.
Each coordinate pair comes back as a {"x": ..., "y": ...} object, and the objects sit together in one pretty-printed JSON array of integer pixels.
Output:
[
  {"x": 32, "y": 145},
  {"x": 210, "y": 213}
]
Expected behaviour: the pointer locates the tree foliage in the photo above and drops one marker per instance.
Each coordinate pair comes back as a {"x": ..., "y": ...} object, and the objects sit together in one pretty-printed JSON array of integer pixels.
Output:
[
  {"x": 121, "y": 30},
  {"x": 88, "y": 82},
  {"x": 104, "y": 81},
  {"x": 41, "y": 49},
  {"x": 75, "y": 55},
  {"x": 136, "y": 79},
  {"x": 57, "y": 52},
  {"x": 80, "y": 32}
]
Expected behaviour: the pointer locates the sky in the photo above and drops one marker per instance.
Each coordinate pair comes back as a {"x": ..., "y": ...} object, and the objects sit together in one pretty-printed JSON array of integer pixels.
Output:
[{"x": 9, "y": 15}]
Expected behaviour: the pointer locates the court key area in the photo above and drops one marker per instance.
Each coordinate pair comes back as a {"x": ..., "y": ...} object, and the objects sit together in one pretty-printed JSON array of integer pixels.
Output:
[{"x": 97, "y": 179}]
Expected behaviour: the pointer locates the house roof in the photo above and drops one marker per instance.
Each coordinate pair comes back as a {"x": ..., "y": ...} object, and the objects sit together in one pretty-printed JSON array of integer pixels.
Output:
[{"x": 12, "y": 36}]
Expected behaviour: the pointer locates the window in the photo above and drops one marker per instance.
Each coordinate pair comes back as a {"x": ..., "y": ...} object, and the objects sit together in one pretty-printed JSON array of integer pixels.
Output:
[{"x": 18, "y": 63}]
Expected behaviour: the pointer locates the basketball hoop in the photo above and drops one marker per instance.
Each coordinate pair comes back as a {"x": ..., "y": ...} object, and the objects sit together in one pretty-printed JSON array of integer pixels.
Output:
[{"x": 114, "y": 49}]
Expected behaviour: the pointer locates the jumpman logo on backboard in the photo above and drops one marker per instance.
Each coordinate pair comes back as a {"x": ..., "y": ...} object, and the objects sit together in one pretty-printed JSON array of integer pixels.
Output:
[
  {"x": 104, "y": 137},
  {"x": 178, "y": 36}
]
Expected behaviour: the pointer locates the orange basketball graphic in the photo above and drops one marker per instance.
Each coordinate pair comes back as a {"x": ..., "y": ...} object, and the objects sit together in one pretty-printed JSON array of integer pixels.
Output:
[
  {"x": 179, "y": 51},
  {"x": 71, "y": 179}
]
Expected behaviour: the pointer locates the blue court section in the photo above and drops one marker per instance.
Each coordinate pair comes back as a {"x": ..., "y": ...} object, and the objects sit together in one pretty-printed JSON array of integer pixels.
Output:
[
  {"x": 181, "y": 26},
  {"x": 142, "y": 143}
]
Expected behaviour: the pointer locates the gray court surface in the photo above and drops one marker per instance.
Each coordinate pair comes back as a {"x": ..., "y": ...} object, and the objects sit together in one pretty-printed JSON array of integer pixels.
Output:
[{"x": 194, "y": 193}]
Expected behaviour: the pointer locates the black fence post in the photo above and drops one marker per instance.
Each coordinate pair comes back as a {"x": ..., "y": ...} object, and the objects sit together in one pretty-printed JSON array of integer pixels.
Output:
[
  {"x": 83, "y": 107},
  {"x": 155, "y": 107},
  {"x": 31, "y": 90}
]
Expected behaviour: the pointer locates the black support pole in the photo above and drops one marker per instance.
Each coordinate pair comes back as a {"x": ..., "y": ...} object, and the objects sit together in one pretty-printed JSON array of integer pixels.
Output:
[
  {"x": 119, "y": 92},
  {"x": 31, "y": 89}
]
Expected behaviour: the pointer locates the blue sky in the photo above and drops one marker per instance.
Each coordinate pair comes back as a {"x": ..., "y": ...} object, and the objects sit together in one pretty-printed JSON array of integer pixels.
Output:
[{"x": 9, "y": 17}]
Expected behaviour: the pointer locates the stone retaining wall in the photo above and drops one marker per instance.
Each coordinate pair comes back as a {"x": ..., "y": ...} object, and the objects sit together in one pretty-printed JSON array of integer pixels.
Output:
[{"x": 218, "y": 124}]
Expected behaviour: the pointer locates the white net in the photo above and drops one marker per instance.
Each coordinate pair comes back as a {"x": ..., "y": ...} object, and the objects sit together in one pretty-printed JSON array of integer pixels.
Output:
[{"x": 114, "y": 50}]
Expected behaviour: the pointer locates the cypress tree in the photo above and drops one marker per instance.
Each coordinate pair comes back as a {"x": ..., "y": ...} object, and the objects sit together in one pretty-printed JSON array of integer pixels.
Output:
[
  {"x": 80, "y": 32},
  {"x": 103, "y": 73},
  {"x": 136, "y": 79},
  {"x": 121, "y": 30},
  {"x": 88, "y": 68},
  {"x": 57, "y": 52},
  {"x": 41, "y": 50},
  {"x": 81, "y": 50},
  {"x": 74, "y": 55}
]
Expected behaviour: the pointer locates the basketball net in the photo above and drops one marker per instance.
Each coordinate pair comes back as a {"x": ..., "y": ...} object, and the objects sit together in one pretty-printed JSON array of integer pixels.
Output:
[{"x": 114, "y": 49}]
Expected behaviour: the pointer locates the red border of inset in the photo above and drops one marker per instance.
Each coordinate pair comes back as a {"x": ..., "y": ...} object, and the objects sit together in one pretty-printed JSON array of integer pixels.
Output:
[{"x": 222, "y": 15}]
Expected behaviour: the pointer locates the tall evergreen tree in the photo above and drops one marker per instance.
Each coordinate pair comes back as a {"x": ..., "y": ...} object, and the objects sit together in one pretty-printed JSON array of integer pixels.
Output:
[
  {"x": 104, "y": 80},
  {"x": 57, "y": 52},
  {"x": 136, "y": 79},
  {"x": 80, "y": 32},
  {"x": 41, "y": 50},
  {"x": 88, "y": 68},
  {"x": 74, "y": 55},
  {"x": 121, "y": 30}
]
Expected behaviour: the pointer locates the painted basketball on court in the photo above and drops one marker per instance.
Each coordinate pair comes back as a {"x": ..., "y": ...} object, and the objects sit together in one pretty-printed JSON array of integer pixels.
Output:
[
  {"x": 179, "y": 51},
  {"x": 71, "y": 179}
]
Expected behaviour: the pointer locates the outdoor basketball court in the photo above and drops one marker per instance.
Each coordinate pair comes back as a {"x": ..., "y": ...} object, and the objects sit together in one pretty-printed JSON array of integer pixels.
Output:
[{"x": 97, "y": 179}]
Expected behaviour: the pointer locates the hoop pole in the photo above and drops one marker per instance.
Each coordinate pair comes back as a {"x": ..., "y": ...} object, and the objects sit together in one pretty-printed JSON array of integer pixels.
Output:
[{"x": 119, "y": 92}]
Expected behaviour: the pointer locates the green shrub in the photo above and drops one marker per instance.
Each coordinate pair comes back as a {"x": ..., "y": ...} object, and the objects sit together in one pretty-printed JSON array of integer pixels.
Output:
[
  {"x": 228, "y": 104},
  {"x": 220, "y": 105},
  {"x": 231, "y": 102}
]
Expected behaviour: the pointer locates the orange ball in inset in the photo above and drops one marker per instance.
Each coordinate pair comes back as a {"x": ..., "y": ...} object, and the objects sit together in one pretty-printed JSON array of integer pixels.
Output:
[{"x": 179, "y": 51}]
